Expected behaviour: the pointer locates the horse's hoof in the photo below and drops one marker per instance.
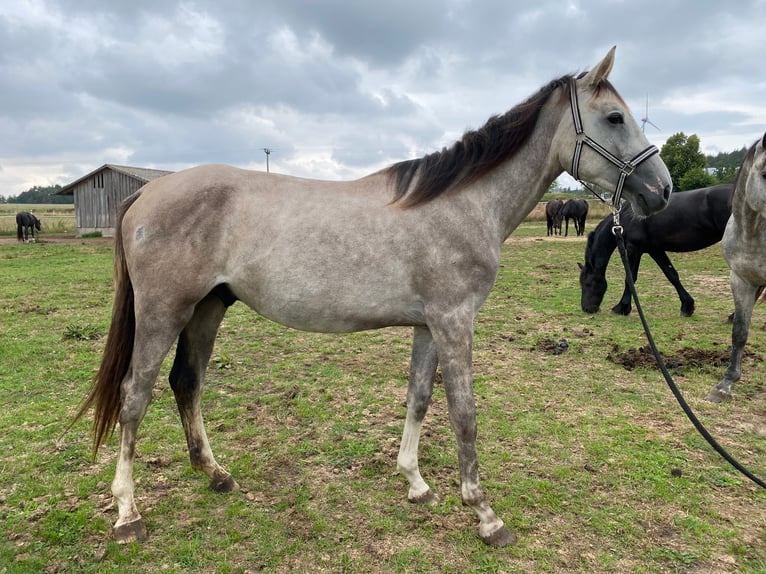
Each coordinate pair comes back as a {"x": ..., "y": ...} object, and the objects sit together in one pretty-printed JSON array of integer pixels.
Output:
[
  {"x": 224, "y": 484},
  {"x": 620, "y": 310},
  {"x": 428, "y": 498},
  {"x": 499, "y": 538},
  {"x": 718, "y": 396},
  {"x": 130, "y": 532}
]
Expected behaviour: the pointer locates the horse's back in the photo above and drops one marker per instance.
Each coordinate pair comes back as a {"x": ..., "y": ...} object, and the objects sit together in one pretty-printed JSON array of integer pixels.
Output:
[{"x": 693, "y": 220}]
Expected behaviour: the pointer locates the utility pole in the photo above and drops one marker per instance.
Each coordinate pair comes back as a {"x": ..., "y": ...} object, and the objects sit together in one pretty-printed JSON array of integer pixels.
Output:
[{"x": 267, "y": 151}]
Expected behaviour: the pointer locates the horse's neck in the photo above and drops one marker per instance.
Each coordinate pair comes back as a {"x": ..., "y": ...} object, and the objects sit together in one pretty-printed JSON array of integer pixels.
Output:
[
  {"x": 508, "y": 193},
  {"x": 749, "y": 220},
  {"x": 600, "y": 250}
]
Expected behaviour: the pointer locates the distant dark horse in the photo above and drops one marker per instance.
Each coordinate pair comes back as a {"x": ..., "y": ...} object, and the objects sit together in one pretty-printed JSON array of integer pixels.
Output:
[
  {"x": 692, "y": 220},
  {"x": 24, "y": 222},
  {"x": 576, "y": 209},
  {"x": 553, "y": 216}
]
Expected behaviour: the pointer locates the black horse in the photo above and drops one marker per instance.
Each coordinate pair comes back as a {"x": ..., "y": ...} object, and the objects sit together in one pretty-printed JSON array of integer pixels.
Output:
[
  {"x": 553, "y": 216},
  {"x": 24, "y": 222},
  {"x": 692, "y": 220},
  {"x": 576, "y": 209}
]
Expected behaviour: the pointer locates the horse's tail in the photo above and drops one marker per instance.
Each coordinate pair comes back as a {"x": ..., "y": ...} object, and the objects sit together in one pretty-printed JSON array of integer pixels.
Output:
[
  {"x": 19, "y": 232},
  {"x": 105, "y": 395}
]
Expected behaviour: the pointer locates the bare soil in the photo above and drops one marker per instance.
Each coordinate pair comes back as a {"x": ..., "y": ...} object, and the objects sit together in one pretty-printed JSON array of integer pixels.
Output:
[
  {"x": 681, "y": 359},
  {"x": 71, "y": 239}
]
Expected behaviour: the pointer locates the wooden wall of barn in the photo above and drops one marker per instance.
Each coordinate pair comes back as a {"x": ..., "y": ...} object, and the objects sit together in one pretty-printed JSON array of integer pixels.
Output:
[{"x": 96, "y": 200}]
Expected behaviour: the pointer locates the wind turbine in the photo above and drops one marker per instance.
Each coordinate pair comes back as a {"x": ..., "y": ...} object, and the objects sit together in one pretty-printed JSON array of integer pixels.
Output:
[{"x": 645, "y": 120}]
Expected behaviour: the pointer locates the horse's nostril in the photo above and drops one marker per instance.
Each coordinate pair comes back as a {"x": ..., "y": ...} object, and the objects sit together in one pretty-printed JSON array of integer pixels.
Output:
[{"x": 666, "y": 192}]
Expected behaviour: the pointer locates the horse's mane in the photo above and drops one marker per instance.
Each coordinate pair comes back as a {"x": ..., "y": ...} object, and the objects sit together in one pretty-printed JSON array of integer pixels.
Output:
[
  {"x": 597, "y": 233},
  {"x": 478, "y": 152},
  {"x": 743, "y": 169}
]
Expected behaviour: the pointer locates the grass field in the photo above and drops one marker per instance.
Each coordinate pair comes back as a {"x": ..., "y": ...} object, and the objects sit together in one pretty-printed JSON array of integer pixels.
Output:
[
  {"x": 54, "y": 218},
  {"x": 592, "y": 465}
]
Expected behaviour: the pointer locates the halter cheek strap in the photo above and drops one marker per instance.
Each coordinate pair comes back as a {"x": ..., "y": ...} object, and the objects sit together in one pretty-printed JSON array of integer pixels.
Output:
[{"x": 626, "y": 167}]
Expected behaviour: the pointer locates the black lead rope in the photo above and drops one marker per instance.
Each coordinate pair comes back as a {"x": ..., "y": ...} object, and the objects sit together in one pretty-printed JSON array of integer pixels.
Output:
[{"x": 617, "y": 230}]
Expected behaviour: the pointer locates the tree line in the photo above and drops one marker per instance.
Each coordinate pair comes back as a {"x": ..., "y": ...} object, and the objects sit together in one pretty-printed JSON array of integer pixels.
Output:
[
  {"x": 38, "y": 194},
  {"x": 690, "y": 169}
]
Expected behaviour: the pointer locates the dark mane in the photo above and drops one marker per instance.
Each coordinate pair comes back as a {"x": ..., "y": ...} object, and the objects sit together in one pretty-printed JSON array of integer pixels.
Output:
[{"x": 471, "y": 157}]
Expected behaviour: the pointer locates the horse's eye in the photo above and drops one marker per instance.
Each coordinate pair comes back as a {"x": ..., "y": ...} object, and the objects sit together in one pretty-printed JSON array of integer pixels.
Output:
[{"x": 615, "y": 118}]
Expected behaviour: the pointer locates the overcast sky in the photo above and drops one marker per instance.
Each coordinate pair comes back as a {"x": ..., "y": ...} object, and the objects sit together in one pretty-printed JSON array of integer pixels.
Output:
[{"x": 339, "y": 88}]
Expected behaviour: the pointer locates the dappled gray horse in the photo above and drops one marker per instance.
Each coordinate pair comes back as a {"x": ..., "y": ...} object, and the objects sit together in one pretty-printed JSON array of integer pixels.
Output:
[
  {"x": 415, "y": 244},
  {"x": 744, "y": 248}
]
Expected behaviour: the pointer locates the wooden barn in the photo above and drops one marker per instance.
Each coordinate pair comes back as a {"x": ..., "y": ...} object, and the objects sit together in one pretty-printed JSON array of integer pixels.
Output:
[{"x": 97, "y": 195}]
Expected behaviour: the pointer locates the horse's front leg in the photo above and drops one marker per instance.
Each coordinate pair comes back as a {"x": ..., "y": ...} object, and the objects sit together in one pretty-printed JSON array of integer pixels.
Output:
[
  {"x": 744, "y": 300},
  {"x": 454, "y": 341},
  {"x": 422, "y": 373},
  {"x": 634, "y": 260}
]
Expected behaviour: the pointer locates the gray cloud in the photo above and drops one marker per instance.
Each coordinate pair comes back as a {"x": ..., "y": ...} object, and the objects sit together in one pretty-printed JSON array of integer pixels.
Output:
[{"x": 340, "y": 88}]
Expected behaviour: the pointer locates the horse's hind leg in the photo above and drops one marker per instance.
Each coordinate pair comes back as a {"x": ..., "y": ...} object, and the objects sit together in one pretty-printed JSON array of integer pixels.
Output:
[
  {"x": 153, "y": 338},
  {"x": 195, "y": 345},
  {"x": 744, "y": 300},
  {"x": 664, "y": 263},
  {"x": 421, "y": 383}
]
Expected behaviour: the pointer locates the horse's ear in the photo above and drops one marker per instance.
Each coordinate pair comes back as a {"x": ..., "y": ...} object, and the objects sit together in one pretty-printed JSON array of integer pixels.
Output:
[
  {"x": 601, "y": 71},
  {"x": 580, "y": 266},
  {"x": 763, "y": 141}
]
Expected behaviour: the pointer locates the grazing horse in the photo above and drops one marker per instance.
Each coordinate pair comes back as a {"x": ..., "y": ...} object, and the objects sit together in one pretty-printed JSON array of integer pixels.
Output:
[
  {"x": 24, "y": 222},
  {"x": 744, "y": 249},
  {"x": 415, "y": 244},
  {"x": 553, "y": 216},
  {"x": 693, "y": 220},
  {"x": 576, "y": 209}
]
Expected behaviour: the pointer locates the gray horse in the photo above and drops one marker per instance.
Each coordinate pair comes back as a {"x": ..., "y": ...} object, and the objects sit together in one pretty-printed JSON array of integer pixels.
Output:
[
  {"x": 415, "y": 244},
  {"x": 743, "y": 248}
]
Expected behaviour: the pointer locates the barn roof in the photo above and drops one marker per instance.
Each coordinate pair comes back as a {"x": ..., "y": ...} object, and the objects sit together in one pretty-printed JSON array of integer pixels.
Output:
[{"x": 142, "y": 174}]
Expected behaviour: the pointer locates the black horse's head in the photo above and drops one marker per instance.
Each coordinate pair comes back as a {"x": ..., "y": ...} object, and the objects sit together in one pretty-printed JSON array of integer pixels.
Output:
[
  {"x": 593, "y": 287},
  {"x": 37, "y": 223}
]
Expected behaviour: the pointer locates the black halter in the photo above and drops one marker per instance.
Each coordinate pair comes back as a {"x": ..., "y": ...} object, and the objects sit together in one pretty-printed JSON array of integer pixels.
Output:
[{"x": 626, "y": 167}]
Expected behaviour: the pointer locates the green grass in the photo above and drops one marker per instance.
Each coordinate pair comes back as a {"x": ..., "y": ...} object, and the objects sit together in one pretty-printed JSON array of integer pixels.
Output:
[{"x": 579, "y": 456}]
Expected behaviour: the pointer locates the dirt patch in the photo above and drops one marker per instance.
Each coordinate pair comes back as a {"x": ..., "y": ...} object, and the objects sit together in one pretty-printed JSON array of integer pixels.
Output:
[
  {"x": 689, "y": 357},
  {"x": 551, "y": 347},
  {"x": 71, "y": 239}
]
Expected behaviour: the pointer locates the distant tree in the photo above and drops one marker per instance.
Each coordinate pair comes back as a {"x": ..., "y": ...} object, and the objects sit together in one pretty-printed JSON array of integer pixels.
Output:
[
  {"x": 38, "y": 194},
  {"x": 726, "y": 164},
  {"x": 682, "y": 155},
  {"x": 696, "y": 178}
]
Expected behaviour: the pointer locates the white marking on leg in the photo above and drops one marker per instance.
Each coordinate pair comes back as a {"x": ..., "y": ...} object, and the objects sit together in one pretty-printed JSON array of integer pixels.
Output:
[
  {"x": 122, "y": 485},
  {"x": 407, "y": 461}
]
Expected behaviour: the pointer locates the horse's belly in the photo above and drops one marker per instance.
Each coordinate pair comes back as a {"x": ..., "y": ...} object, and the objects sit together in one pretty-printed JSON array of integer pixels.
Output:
[{"x": 336, "y": 311}]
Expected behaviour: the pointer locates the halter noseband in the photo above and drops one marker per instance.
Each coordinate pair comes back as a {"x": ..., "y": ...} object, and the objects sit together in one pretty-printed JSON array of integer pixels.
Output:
[{"x": 626, "y": 167}]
